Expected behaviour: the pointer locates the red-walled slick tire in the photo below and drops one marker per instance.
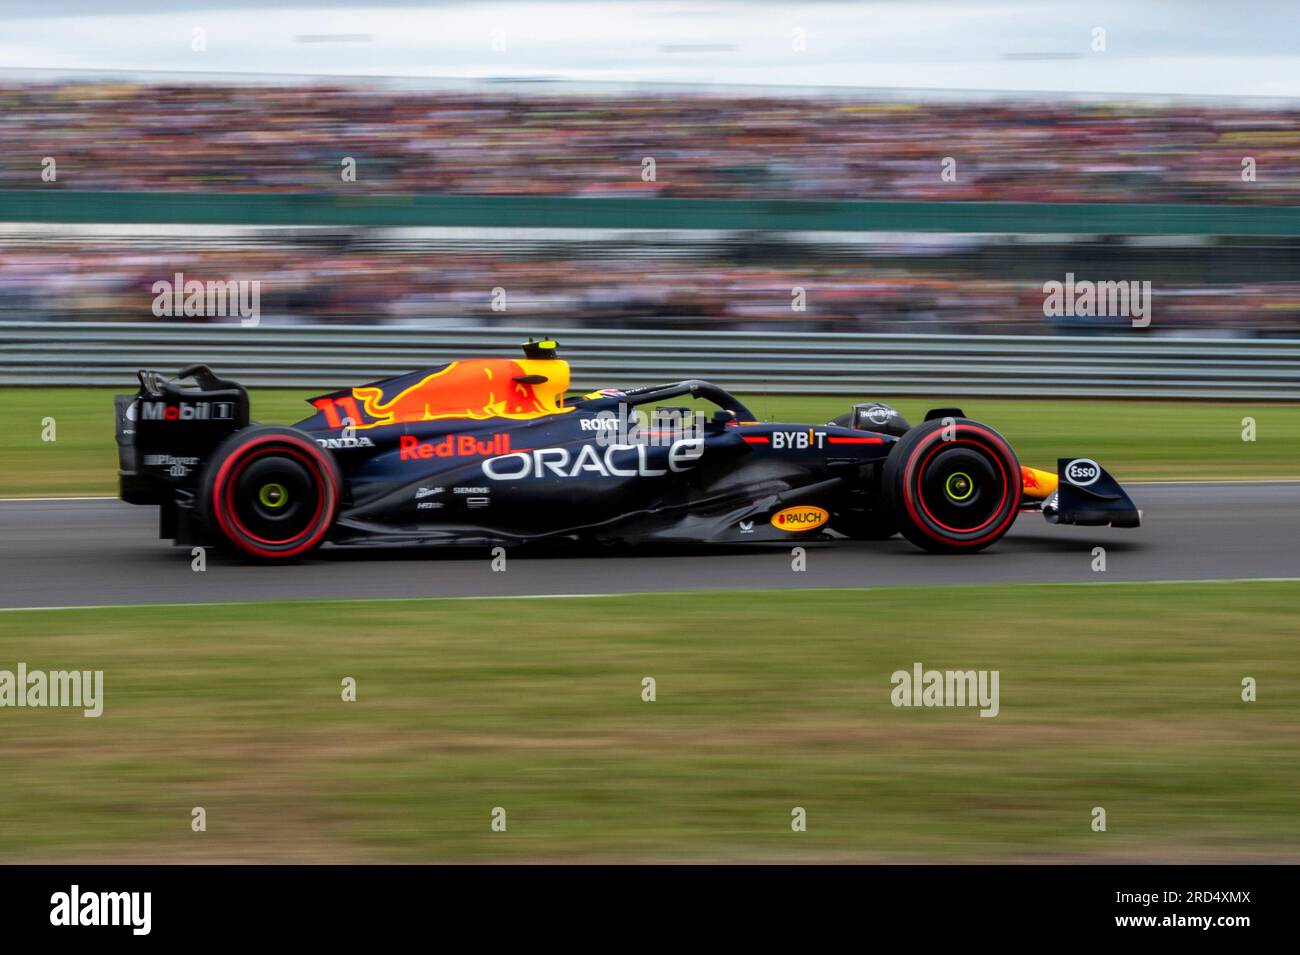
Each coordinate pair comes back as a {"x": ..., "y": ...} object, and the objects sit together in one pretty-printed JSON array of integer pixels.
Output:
[
  {"x": 270, "y": 493},
  {"x": 952, "y": 487}
]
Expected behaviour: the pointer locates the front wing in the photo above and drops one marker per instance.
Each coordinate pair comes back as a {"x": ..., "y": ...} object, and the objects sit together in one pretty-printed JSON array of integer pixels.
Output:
[{"x": 1080, "y": 492}]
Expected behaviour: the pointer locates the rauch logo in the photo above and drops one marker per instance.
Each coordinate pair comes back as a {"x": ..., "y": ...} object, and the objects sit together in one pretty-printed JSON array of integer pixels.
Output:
[{"x": 800, "y": 518}]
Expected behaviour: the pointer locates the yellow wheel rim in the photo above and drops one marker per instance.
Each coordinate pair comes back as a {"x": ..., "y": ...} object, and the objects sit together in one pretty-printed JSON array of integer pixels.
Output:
[
  {"x": 959, "y": 486},
  {"x": 273, "y": 495}
]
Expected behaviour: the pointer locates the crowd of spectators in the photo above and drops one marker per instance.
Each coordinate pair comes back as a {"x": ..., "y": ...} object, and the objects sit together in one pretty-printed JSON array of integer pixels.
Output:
[
  {"x": 284, "y": 138},
  {"x": 251, "y": 138},
  {"x": 107, "y": 280}
]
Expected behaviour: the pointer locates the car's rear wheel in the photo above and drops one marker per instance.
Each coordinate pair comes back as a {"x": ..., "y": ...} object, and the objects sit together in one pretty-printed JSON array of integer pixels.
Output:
[
  {"x": 953, "y": 485},
  {"x": 270, "y": 493}
]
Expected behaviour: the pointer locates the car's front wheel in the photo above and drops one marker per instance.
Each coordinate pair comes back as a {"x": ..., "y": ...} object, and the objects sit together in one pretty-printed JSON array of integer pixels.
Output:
[
  {"x": 270, "y": 493},
  {"x": 953, "y": 485}
]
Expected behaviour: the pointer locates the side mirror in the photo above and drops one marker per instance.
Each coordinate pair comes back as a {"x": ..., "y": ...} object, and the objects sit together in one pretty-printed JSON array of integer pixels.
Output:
[{"x": 718, "y": 423}]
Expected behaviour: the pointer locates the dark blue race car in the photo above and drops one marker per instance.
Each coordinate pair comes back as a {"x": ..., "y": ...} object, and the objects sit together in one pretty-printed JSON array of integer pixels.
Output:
[{"x": 493, "y": 451}]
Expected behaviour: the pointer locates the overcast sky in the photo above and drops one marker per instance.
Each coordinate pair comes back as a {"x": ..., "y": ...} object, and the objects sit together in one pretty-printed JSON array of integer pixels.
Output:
[{"x": 1245, "y": 47}]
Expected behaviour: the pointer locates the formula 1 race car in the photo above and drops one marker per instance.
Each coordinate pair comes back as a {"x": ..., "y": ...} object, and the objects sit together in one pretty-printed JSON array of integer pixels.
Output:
[{"x": 490, "y": 451}]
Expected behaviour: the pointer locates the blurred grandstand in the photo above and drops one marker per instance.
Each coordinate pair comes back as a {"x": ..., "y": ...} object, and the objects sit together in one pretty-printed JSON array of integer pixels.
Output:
[
  {"x": 719, "y": 281},
  {"x": 245, "y": 137},
  {"x": 174, "y": 137}
]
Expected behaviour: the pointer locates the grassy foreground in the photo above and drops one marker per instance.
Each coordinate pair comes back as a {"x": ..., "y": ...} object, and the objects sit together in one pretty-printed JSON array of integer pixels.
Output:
[
  {"x": 1124, "y": 697},
  {"x": 1134, "y": 440}
]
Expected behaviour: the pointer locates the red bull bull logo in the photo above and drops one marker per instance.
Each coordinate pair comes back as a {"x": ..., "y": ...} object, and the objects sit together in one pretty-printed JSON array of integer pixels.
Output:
[
  {"x": 476, "y": 389},
  {"x": 1035, "y": 483}
]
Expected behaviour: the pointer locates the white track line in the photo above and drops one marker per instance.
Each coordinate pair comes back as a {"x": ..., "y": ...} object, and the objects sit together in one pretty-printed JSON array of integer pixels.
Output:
[
  {"x": 1222, "y": 481},
  {"x": 669, "y": 593},
  {"x": 46, "y": 500}
]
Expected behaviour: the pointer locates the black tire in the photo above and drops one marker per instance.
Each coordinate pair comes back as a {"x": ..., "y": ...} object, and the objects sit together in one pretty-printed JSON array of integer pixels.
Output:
[
  {"x": 952, "y": 489},
  {"x": 270, "y": 493}
]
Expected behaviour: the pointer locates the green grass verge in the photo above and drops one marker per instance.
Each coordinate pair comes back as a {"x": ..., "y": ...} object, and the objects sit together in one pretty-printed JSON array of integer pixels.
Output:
[
  {"x": 1134, "y": 440},
  {"x": 1125, "y": 697}
]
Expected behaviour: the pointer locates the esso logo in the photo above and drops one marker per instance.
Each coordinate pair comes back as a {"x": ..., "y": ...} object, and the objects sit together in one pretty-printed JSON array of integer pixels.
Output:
[{"x": 1082, "y": 472}]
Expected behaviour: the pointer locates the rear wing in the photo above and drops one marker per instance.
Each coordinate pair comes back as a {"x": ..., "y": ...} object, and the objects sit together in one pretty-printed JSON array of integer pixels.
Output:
[{"x": 169, "y": 428}]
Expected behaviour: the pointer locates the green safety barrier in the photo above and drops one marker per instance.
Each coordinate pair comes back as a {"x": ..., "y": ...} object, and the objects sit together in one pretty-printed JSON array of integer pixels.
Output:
[{"x": 340, "y": 209}]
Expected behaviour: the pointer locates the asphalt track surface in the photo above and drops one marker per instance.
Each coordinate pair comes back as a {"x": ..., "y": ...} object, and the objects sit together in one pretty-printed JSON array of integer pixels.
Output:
[{"x": 94, "y": 552}]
